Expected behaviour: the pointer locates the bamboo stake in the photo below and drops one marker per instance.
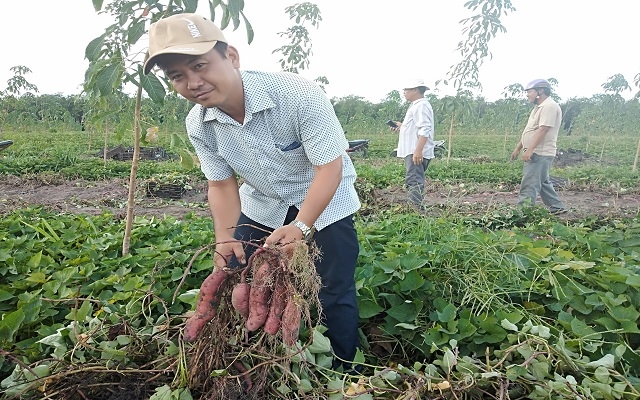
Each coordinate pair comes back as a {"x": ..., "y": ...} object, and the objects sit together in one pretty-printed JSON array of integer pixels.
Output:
[{"x": 635, "y": 162}]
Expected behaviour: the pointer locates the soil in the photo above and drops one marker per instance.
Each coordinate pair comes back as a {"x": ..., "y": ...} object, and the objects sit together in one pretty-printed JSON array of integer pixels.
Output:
[{"x": 94, "y": 198}]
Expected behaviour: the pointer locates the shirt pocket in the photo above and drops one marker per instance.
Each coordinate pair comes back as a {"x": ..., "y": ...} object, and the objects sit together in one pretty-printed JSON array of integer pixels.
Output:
[{"x": 293, "y": 160}]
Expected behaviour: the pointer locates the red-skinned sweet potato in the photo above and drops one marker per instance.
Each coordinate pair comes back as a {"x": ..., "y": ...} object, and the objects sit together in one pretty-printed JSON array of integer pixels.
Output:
[
  {"x": 278, "y": 303},
  {"x": 208, "y": 302},
  {"x": 291, "y": 321},
  {"x": 259, "y": 298},
  {"x": 240, "y": 299}
]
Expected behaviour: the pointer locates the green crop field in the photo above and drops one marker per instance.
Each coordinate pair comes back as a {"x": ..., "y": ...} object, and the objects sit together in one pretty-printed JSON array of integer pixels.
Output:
[{"x": 507, "y": 304}]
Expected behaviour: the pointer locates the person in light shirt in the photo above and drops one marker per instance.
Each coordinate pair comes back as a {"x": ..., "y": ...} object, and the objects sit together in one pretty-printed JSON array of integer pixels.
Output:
[
  {"x": 538, "y": 143},
  {"x": 415, "y": 140}
]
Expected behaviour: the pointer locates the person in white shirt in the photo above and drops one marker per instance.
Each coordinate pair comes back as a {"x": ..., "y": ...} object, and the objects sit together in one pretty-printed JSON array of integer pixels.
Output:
[{"x": 415, "y": 140}]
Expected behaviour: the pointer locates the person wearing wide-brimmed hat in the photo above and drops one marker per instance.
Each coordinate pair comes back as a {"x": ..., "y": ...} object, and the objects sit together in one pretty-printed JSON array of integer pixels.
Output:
[
  {"x": 538, "y": 141},
  {"x": 280, "y": 134}
]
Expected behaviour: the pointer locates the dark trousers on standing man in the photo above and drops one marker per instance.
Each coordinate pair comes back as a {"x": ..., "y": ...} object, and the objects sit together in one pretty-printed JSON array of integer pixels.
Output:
[{"x": 414, "y": 180}]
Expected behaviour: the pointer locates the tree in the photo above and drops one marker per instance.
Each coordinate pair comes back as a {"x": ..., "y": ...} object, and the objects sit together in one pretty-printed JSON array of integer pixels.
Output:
[
  {"x": 113, "y": 63},
  {"x": 456, "y": 107},
  {"x": 15, "y": 85},
  {"x": 480, "y": 28},
  {"x": 616, "y": 84},
  {"x": 297, "y": 52},
  {"x": 18, "y": 83}
]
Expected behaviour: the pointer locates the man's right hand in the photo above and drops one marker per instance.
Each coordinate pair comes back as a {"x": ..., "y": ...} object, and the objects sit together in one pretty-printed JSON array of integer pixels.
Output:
[
  {"x": 225, "y": 250},
  {"x": 514, "y": 155}
]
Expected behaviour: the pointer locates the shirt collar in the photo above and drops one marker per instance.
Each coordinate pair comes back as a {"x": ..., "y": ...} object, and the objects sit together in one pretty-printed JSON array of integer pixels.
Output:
[{"x": 256, "y": 99}]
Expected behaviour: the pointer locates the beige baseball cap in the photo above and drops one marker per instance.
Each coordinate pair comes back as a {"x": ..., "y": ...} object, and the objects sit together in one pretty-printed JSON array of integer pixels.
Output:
[{"x": 189, "y": 34}]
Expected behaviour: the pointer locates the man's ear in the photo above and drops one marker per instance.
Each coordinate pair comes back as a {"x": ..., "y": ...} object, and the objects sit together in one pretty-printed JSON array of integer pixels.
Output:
[{"x": 234, "y": 56}]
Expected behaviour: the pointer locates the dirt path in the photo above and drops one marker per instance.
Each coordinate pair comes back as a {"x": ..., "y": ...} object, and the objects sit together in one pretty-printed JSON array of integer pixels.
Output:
[{"x": 97, "y": 197}]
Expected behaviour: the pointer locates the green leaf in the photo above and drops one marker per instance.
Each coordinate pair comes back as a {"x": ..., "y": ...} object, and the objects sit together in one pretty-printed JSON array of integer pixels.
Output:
[
  {"x": 406, "y": 312},
  {"x": 607, "y": 361},
  {"x": 226, "y": 17},
  {"x": 37, "y": 277},
  {"x": 97, "y": 4},
  {"x": 320, "y": 343},
  {"x": 190, "y": 6},
  {"x": 10, "y": 324},
  {"x": 448, "y": 361},
  {"x": 447, "y": 314},
  {"x": 624, "y": 314},
  {"x": 94, "y": 48},
  {"x": 34, "y": 261},
  {"x": 153, "y": 87},
  {"x": 633, "y": 280},
  {"x": 186, "y": 159},
  {"x": 515, "y": 371},
  {"x": 4, "y": 295},
  {"x": 135, "y": 31},
  {"x": 413, "y": 280},
  {"x": 108, "y": 78},
  {"x": 162, "y": 393},
  {"x": 540, "y": 369},
  {"x": 508, "y": 325},
  {"x": 581, "y": 329},
  {"x": 250, "y": 32},
  {"x": 305, "y": 386}
]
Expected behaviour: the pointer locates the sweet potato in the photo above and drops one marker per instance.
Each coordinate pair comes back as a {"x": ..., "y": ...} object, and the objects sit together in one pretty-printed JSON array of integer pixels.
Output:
[
  {"x": 259, "y": 298},
  {"x": 240, "y": 299},
  {"x": 208, "y": 302},
  {"x": 278, "y": 303},
  {"x": 291, "y": 321}
]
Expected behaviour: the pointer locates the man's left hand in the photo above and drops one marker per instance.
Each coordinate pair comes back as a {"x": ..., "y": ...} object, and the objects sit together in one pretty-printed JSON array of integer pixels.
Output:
[{"x": 417, "y": 158}]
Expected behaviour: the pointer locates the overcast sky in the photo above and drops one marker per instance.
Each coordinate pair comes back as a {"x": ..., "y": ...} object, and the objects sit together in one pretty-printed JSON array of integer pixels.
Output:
[{"x": 365, "y": 48}]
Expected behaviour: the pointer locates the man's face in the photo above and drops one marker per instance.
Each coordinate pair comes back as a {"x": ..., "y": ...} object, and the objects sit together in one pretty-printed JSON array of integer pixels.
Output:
[
  {"x": 532, "y": 94},
  {"x": 411, "y": 94},
  {"x": 209, "y": 80}
]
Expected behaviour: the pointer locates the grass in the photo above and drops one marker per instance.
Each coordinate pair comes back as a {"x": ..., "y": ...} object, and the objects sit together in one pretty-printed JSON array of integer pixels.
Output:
[{"x": 480, "y": 159}]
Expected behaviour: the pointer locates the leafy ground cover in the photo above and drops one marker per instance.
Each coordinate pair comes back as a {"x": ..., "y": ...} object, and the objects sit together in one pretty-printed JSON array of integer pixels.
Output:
[{"x": 476, "y": 299}]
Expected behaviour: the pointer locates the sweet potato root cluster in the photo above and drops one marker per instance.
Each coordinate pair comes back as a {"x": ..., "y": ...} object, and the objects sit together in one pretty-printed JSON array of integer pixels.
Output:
[
  {"x": 282, "y": 285},
  {"x": 273, "y": 292}
]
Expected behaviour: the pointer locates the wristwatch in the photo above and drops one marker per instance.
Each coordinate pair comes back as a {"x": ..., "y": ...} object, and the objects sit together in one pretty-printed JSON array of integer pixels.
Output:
[{"x": 307, "y": 233}]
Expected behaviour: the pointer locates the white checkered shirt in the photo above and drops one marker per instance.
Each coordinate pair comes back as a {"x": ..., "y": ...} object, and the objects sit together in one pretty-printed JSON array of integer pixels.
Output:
[{"x": 289, "y": 127}]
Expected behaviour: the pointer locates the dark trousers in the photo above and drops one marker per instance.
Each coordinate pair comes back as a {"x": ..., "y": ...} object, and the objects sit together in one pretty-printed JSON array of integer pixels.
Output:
[
  {"x": 338, "y": 244},
  {"x": 414, "y": 179}
]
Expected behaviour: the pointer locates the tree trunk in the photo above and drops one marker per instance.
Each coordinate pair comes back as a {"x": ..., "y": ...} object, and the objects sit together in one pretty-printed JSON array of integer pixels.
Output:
[
  {"x": 132, "y": 177},
  {"x": 635, "y": 162},
  {"x": 450, "y": 137}
]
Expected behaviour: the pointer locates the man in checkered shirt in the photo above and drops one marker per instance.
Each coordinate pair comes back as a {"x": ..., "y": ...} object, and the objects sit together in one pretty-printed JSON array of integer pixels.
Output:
[{"x": 279, "y": 133}]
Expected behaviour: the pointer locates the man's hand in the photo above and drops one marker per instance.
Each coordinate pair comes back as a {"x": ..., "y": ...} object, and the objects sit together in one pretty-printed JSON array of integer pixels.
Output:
[
  {"x": 417, "y": 158},
  {"x": 284, "y": 235},
  {"x": 224, "y": 252},
  {"x": 526, "y": 156},
  {"x": 514, "y": 155}
]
